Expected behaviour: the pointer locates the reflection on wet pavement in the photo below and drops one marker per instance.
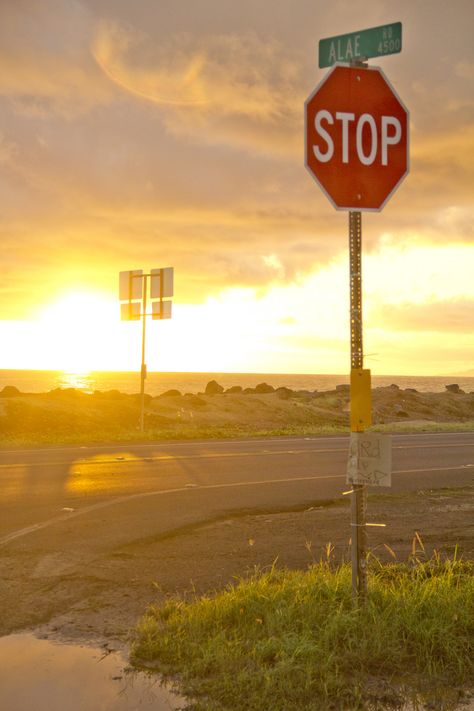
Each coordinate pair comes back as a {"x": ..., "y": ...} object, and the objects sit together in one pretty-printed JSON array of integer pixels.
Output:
[{"x": 48, "y": 676}]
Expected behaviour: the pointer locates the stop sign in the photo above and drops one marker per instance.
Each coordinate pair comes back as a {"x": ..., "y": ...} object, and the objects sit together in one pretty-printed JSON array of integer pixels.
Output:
[{"x": 356, "y": 137}]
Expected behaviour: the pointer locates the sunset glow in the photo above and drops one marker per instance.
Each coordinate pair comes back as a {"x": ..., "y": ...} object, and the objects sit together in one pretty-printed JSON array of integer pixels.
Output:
[{"x": 140, "y": 137}]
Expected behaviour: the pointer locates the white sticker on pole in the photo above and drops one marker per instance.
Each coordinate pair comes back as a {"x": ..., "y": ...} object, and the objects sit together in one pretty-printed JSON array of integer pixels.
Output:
[
  {"x": 162, "y": 283},
  {"x": 130, "y": 285},
  {"x": 370, "y": 459}
]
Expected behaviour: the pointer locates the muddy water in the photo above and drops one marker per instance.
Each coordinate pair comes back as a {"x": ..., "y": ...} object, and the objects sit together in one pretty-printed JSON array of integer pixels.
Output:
[{"x": 47, "y": 676}]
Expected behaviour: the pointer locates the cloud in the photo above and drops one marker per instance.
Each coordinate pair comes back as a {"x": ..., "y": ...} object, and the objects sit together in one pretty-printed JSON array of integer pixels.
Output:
[
  {"x": 187, "y": 139},
  {"x": 8, "y": 150},
  {"x": 45, "y": 57},
  {"x": 465, "y": 70},
  {"x": 417, "y": 274},
  {"x": 220, "y": 88},
  {"x": 436, "y": 317},
  {"x": 442, "y": 162}
]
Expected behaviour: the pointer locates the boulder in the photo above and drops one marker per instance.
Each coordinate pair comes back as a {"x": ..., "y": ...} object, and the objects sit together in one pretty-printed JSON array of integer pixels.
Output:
[
  {"x": 344, "y": 388},
  {"x": 10, "y": 391},
  {"x": 454, "y": 388},
  {"x": 66, "y": 392},
  {"x": 171, "y": 393},
  {"x": 263, "y": 388},
  {"x": 213, "y": 388},
  {"x": 234, "y": 390}
]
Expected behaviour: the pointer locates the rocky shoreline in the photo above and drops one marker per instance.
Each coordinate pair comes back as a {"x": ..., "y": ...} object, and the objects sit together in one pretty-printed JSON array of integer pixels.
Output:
[{"x": 70, "y": 413}]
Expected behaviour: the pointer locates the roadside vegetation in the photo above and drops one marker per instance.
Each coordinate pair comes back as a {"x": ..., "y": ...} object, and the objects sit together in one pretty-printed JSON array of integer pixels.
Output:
[
  {"x": 72, "y": 416},
  {"x": 292, "y": 640}
]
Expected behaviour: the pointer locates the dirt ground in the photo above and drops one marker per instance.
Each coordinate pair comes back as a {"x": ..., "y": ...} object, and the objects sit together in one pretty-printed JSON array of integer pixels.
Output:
[{"x": 101, "y": 601}]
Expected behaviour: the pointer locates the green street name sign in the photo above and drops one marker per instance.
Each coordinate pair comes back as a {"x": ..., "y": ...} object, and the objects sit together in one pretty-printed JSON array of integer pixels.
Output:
[{"x": 374, "y": 42}]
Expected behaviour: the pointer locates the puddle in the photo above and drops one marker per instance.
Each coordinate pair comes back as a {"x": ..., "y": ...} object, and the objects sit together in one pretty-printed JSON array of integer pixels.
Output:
[{"x": 45, "y": 675}]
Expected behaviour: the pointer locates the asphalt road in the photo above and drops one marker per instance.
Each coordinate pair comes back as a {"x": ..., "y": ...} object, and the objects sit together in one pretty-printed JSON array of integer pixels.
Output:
[{"x": 118, "y": 492}]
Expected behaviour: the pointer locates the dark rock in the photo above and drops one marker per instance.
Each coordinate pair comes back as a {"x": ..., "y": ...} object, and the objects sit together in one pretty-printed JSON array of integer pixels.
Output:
[
  {"x": 67, "y": 392},
  {"x": 344, "y": 388},
  {"x": 411, "y": 390},
  {"x": 284, "y": 393},
  {"x": 10, "y": 391},
  {"x": 263, "y": 388},
  {"x": 171, "y": 393},
  {"x": 248, "y": 391},
  {"x": 234, "y": 390},
  {"x": 394, "y": 386},
  {"x": 454, "y": 388},
  {"x": 213, "y": 388}
]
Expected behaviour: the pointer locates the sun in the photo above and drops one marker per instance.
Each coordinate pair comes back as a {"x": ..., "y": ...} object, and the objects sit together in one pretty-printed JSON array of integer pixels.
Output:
[{"x": 78, "y": 332}]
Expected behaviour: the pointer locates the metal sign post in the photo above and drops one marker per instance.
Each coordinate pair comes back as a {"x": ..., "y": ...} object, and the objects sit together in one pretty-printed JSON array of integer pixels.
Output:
[
  {"x": 356, "y": 148},
  {"x": 143, "y": 367},
  {"x": 133, "y": 291},
  {"x": 359, "y": 496}
]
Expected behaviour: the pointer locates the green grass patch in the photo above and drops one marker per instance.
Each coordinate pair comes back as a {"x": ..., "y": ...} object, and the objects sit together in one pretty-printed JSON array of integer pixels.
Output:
[
  {"x": 424, "y": 426},
  {"x": 292, "y": 640},
  {"x": 190, "y": 432},
  {"x": 175, "y": 432}
]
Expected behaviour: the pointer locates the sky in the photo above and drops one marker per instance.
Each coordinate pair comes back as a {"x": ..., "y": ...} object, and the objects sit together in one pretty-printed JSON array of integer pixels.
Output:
[{"x": 171, "y": 133}]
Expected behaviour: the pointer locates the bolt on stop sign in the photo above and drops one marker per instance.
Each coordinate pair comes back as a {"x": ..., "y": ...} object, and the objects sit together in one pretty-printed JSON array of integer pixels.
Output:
[{"x": 356, "y": 137}]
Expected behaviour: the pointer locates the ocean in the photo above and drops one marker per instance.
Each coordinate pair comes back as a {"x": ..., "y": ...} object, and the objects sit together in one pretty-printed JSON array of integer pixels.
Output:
[{"x": 34, "y": 381}]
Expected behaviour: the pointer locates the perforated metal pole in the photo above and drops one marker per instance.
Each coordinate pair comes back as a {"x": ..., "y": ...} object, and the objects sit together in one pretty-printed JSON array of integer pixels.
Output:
[
  {"x": 143, "y": 368},
  {"x": 355, "y": 265},
  {"x": 358, "y": 502}
]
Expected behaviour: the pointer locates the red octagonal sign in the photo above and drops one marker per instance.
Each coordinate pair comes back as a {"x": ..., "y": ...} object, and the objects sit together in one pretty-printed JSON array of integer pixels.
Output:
[{"x": 356, "y": 137}]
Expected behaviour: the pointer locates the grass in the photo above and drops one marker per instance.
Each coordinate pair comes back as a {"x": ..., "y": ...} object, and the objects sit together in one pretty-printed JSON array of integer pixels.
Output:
[
  {"x": 424, "y": 426},
  {"x": 189, "y": 432},
  {"x": 292, "y": 640},
  {"x": 175, "y": 432}
]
